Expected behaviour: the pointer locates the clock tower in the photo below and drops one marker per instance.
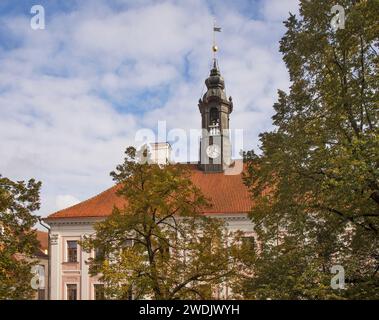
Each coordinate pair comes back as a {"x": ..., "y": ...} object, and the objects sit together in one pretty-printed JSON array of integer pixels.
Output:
[{"x": 215, "y": 108}]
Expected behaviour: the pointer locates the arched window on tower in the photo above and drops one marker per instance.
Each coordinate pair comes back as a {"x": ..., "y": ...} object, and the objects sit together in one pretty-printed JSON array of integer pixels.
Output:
[{"x": 214, "y": 125}]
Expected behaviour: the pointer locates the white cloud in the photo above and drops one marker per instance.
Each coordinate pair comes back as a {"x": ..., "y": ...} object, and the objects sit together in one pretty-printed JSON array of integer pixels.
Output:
[
  {"x": 65, "y": 201},
  {"x": 277, "y": 10}
]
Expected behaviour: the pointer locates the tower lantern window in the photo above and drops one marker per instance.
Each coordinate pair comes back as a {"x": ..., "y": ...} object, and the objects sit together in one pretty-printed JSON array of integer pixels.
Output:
[{"x": 214, "y": 116}]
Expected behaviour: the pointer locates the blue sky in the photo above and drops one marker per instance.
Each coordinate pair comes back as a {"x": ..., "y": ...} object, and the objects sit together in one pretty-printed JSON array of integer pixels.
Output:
[{"x": 73, "y": 96}]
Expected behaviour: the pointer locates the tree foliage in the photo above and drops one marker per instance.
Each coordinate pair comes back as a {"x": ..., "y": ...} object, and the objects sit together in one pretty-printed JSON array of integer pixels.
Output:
[
  {"x": 159, "y": 245},
  {"x": 316, "y": 182},
  {"x": 18, "y": 242}
]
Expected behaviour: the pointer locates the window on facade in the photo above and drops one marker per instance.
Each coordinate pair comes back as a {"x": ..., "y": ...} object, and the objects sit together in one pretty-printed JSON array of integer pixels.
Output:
[
  {"x": 41, "y": 275},
  {"x": 99, "y": 291},
  {"x": 248, "y": 242},
  {"x": 128, "y": 243},
  {"x": 99, "y": 253},
  {"x": 72, "y": 292},
  {"x": 127, "y": 293},
  {"x": 164, "y": 250},
  {"x": 2, "y": 233},
  {"x": 41, "y": 294},
  {"x": 130, "y": 293},
  {"x": 72, "y": 251}
]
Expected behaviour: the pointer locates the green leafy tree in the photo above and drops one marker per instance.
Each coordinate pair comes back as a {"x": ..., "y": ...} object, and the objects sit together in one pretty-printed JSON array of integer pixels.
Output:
[
  {"x": 18, "y": 242},
  {"x": 316, "y": 182},
  {"x": 159, "y": 245}
]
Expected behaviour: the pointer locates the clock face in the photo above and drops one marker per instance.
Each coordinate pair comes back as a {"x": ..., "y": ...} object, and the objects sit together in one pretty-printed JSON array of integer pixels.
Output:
[{"x": 213, "y": 151}]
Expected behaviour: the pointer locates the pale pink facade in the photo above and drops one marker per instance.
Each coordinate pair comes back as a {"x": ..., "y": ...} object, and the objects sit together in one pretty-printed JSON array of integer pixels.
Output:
[{"x": 64, "y": 273}]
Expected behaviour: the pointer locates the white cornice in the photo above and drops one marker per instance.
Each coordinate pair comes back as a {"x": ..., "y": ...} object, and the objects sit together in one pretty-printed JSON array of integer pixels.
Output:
[
  {"x": 230, "y": 216},
  {"x": 72, "y": 221},
  {"x": 92, "y": 220}
]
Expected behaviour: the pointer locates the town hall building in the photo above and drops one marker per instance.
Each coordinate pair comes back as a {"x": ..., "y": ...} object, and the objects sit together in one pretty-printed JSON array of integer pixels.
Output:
[{"x": 231, "y": 201}]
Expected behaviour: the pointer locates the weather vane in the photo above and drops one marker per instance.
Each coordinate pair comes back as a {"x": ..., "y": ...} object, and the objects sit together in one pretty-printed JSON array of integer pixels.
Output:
[{"x": 214, "y": 47}]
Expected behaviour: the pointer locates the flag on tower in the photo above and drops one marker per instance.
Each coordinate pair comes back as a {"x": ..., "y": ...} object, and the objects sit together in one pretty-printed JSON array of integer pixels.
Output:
[{"x": 217, "y": 29}]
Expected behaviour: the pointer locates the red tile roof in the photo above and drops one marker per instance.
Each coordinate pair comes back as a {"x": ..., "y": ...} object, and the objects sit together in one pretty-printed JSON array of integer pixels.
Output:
[{"x": 227, "y": 193}]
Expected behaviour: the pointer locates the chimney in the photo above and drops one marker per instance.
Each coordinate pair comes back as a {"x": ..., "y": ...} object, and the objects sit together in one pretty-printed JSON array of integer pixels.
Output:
[{"x": 160, "y": 152}]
